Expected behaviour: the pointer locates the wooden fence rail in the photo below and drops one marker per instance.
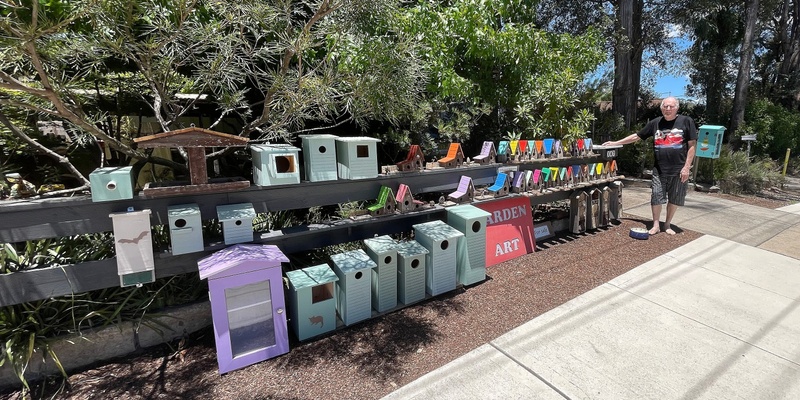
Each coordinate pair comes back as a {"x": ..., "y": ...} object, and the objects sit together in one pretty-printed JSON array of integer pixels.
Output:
[{"x": 29, "y": 220}]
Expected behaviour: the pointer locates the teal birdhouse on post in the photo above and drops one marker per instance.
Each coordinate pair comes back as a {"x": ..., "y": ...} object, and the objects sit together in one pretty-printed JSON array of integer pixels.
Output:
[
  {"x": 709, "y": 141},
  {"x": 312, "y": 306}
]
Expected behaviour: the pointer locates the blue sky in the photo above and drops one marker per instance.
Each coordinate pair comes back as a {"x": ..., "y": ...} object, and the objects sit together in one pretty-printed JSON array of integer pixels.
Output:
[{"x": 671, "y": 86}]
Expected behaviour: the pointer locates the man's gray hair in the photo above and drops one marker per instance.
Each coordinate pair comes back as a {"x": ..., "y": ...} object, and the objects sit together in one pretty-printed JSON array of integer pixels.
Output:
[{"x": 677, "y": 103}]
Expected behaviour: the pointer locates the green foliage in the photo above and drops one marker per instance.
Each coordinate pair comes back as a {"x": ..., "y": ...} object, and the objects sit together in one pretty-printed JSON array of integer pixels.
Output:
[
  {"x": 737, "y": 174},
  {"x": 776, "y": 127},
  {"x": 25, "y": 329},
  {"x": 55, "y": 251},
  {"x": 491, "y": 53}
]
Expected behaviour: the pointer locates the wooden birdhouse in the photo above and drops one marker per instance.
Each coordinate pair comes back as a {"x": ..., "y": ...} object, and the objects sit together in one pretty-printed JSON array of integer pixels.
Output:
[
  {"x": 134, "y": 247},
  {"x": 471, "y": 221},
  {"x": 405, "y": 199},
  {"x": 354, "y": 287},
  {"x": 312, "y": 304},
  {"x": 357, "y": 157},
  {"x": 237, "y": 222},
  {"x": 605, "y": 202},
  {"x": 593, "y": 210},
  {"x": 185, "y": 228},
  {"x": 578, "y": 206},
  {"x": 245, "y": 288},
  {"x": 519, "y": 184},
  {"x": 112, "y": 183},
  {"x": 415, "y": 161},
  {"x": 383, "y": 251},
  {"x": 548, "y": 147},
  {"x": 454, "y": 158},
  {"x": 615, "y": 201},
  {"x": 465, "y": 192},
  {"x": 488, "y": 154},
  {"x": 441, "y": 240},
  {"x": 411, "y": 272},
  {"x": 195, "y": 141},
  {"x": 319, "y": 157},
  {"x": 275, "y": 164},
  {"x": 503, "y": 151}
]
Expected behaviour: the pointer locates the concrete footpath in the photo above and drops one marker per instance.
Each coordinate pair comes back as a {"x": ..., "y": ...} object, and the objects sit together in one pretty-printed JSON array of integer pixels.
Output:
[{"x": 718, "y": 318}]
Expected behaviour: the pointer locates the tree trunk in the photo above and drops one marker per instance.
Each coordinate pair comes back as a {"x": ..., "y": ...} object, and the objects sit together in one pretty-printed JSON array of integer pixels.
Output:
[
  {"x": 627, "y": 59},
  {"x": 745, "y": 61},
  {"x": 788, "y": 92}
]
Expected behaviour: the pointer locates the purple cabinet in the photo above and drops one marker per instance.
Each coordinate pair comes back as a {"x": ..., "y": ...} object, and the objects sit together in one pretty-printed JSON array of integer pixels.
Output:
[{"x": 245, "y": 287}]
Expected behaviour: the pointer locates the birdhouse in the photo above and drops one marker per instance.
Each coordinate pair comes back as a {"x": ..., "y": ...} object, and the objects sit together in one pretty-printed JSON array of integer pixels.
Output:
[
  {"x": 275, "y": 164},
  {"x": 357, "y": 157},
  {"x": 441, "y": 240},
  {"x": 578, "y": 205},
  {"x": 411, "y": 272},
  {"x": 245, "y": 288},
  {"x": 185, "y": 228},
  {"x": 383, "y": 251},
  {"x": 312, "y": 305},
  {"x": 134, "y": 246},
  {"x": 548, "y": 147},
  {"x": 615, "y": 201},
  {"x": 354, "y": 287},
  {"x": 488, "y": 154},
  {"x": 503, "y": 151},
  {"x": 237, "y": 222},
  {"x": 319, "y": 157},
  {"x": 112, "y": 183},
  {"x": 605, "y": 202},
  {"x": 471, "y": 252},
  {"x": 593, "y": 209},
  {"x": 709, "y": 141}
]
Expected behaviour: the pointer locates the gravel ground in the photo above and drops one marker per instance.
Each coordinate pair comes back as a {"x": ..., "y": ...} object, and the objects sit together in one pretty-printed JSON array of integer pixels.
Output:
[{"x": 375, "y": 357}]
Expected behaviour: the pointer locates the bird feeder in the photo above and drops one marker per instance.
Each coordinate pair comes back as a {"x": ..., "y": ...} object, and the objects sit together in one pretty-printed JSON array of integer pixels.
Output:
[
  {"x": 245, "y": 288},
  {"x": 194, "y": 140},
  {"x": 312, "y": 305}
]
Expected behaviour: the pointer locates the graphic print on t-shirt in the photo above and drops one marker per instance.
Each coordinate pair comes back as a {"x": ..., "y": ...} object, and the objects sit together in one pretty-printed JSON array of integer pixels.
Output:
[{"x": 672, "y": 139}]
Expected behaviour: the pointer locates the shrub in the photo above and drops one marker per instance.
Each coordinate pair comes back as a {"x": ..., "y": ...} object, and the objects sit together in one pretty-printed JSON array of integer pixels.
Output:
[{"x": 737, "y": 174}]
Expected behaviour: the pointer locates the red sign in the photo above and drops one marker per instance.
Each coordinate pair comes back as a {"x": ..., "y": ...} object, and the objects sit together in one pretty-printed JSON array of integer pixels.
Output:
[{"x": 509, "y": 229}]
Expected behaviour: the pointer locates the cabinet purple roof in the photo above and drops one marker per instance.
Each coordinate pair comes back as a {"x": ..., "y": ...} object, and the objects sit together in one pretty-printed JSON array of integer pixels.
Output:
[{"x": 247, "y": 257}]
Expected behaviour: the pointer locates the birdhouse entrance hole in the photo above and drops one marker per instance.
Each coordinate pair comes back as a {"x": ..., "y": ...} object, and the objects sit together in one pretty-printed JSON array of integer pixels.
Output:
[{"x": 321, "y": 293}]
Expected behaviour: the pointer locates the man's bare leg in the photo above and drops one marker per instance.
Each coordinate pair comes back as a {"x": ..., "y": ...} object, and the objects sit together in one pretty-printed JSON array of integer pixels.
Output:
[
  {"x": 671, "y": 209},
  {"x": 656, "y": 216}
]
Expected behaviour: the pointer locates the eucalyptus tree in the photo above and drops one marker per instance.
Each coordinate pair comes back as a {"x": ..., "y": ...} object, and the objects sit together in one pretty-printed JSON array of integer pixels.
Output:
[
  {"x": 489, "y": 56},
  {"x": 633, "y": 28},
  {"x": 269, "y": 66},
  {"x": 778, "y": 64}
]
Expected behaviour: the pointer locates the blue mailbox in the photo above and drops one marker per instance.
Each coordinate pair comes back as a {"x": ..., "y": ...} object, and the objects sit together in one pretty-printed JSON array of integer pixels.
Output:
[{"x": 709, "y": 141}]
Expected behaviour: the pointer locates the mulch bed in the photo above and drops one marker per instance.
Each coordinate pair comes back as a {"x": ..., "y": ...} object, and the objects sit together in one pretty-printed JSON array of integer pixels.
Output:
[{"x": 375, "y": 357}]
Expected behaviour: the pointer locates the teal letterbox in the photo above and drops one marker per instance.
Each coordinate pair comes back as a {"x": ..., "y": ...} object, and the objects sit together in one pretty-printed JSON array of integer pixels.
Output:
[
  {"x": 709, "y": 141},
  {"x": 312, "y": 304}
]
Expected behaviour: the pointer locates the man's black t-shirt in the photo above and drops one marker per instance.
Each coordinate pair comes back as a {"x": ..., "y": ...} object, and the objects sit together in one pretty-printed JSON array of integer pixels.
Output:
[{"x": 670, "y": 142}]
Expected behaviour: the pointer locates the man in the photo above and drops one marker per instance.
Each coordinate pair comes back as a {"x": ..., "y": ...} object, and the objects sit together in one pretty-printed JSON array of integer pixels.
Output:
[{"x": 674, "y": 141}]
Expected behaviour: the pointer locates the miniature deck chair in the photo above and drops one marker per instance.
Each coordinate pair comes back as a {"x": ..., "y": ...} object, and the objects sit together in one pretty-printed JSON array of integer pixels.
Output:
[
  {"x": 539, "y": 148},
  {"x": 578, "y": 203},
  {"x": 501, "y": 185},
  {"x": 385, "y": 204},
  {"x": 454, "y": 158},
  {"x": 536, "y": 183},
  {"x": 405, "y": 200},
  {"x": 415, "y": 161},
  {"x": 465, "y": 191},
  {"x": 487, "y": 155},
  {"x": 519, "y": 185},
  {"x": 523, "y": 151},
  {"x": 548, "y": 147}
]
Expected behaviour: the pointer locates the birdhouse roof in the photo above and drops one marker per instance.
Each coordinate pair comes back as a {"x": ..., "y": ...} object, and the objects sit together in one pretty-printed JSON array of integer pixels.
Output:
[
  {"x": 437, "y": 230},
  {"x": 230, "y": 212},
  {"x": 381, "y": 244},
  {"x": 352, "y": 261},
  {"x": 467, "y": 211},
  {"x": 190, "y": 137},
  {"x": 224, "y": 262},
  {"x": 411, "y": 248},
  {"x": 312, "y": 276}
]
